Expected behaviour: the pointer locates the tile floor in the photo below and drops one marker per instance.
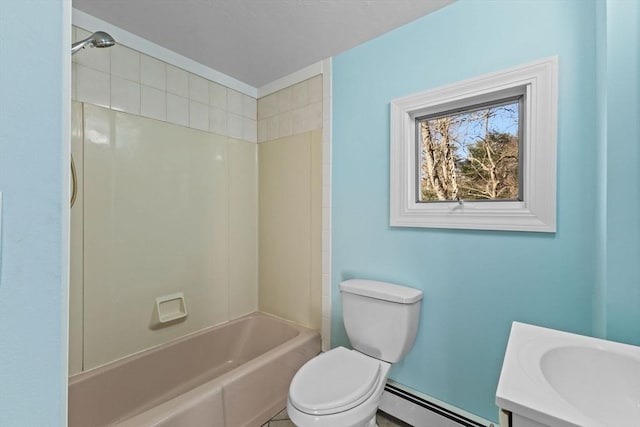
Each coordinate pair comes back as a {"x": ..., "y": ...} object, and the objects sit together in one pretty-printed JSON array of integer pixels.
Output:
[{"x": 282, "y": 420}]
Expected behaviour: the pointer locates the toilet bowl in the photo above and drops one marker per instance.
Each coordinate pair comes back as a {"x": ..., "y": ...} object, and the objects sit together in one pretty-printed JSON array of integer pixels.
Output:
[
  {"x": 342, "y": 387},
  {"x": 338, "y": 388}
]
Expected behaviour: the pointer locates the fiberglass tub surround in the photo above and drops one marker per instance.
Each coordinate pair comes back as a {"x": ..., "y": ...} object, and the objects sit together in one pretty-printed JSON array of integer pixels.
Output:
[
  {"x": 162, "y": 209},
  {"x": 236, "y": 374},
  {"x": 558, "y": 379}
]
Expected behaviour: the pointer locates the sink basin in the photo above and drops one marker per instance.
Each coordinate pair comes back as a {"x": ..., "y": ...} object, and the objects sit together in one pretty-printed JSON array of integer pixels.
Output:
[
  {"x": 602, "y": 384},
  {"x": 560, "y": 379}
]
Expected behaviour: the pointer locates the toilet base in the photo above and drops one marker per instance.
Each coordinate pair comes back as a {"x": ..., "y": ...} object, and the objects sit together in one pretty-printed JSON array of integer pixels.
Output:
[{"x": 301, "y": 419}]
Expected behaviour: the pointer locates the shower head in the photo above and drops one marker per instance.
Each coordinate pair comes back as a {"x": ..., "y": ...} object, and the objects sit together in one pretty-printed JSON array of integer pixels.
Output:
[{"x": 97, "y": 39}]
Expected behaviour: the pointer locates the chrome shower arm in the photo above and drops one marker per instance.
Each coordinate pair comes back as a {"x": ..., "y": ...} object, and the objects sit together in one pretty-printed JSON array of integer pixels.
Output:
[{"x": 79, "y": 45}]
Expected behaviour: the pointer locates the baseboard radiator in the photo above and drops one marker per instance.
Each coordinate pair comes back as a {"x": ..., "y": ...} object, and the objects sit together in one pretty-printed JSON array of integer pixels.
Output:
[{"x": 420, "y": 411}]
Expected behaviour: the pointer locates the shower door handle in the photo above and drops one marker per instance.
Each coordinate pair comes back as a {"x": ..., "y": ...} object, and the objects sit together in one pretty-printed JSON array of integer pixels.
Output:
[{"x": 74, "y": 182}]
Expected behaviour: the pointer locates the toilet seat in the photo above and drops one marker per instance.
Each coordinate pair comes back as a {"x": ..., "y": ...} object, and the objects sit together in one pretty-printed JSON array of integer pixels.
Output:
[{"x": 335, "y": 381}]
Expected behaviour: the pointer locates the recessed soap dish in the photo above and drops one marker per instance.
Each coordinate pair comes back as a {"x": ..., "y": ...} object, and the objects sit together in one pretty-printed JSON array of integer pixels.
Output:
[{"x": 171, "y": 307}]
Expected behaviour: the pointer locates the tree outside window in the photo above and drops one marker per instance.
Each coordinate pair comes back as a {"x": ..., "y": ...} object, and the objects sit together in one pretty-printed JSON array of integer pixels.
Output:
[{"x": 472, "y": 154}]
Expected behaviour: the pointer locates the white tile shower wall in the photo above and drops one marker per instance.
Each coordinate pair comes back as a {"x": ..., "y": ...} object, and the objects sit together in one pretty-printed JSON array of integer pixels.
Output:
[
  {"x": 292, "y": 110},
  {"x": 177, "y": 81},
  {"x": 126, "y": 80},
  {"x": 153, "y": 73},
  {"x": 153, "y": 103},
  {"x": 92, "y": 86},
  {"x": 125, "y": 63},
  {"x": 125, "y": 95}
]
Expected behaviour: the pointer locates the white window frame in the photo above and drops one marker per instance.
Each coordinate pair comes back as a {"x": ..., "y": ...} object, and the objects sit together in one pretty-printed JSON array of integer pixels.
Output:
[{"x": 538, "y": 82}]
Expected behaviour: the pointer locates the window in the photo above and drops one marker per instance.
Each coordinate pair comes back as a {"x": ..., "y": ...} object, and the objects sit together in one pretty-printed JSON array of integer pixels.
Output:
[
  {"x": 478, "y": 154},
  {"x": 471, "y": 154}
]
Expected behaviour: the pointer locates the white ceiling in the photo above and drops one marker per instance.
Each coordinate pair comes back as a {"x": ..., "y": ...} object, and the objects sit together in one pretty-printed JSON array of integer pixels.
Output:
[{"x": 258, "y": 41}]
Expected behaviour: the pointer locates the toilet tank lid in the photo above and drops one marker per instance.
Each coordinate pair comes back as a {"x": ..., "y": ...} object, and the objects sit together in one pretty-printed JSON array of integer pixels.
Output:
[{"x": 381, "y": 290}]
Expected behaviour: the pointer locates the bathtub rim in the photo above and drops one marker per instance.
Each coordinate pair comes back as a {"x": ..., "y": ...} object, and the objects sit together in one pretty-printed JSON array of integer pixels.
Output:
[{"x": 97, "y": 370}]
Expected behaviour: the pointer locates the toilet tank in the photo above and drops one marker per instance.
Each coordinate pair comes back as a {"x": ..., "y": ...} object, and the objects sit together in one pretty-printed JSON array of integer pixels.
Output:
[{"x": 381, "y": 318}]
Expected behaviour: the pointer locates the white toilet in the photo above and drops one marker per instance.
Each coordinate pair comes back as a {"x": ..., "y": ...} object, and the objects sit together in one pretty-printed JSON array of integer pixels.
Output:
[{"x": 343, "y": 388}]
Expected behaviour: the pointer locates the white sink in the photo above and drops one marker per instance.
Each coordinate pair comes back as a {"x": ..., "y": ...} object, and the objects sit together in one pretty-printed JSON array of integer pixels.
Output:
[{"x": 560, "y": 379}]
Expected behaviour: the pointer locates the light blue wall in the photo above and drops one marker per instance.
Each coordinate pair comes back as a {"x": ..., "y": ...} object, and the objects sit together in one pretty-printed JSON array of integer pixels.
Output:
[
  {"x": 623, "y": 171},
  {"x": 600, "y": 285},
  {"x": 475, "y": 282},
  {"x": 34, "y": 37}
]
